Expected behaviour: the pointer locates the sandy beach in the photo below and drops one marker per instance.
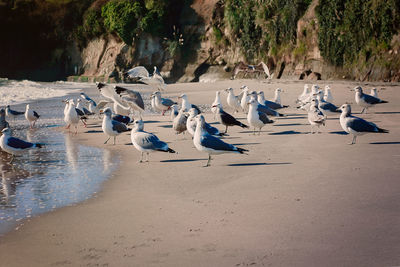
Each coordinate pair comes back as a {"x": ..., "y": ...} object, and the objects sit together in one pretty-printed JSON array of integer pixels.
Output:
[{"x": 296, "y": 199}]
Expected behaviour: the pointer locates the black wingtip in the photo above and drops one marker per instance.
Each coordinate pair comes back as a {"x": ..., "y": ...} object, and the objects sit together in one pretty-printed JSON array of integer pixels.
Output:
[
  {"x": 384, "y": 101},
  {"x": 171, "y": 150},
  {"x": 243, "y": 125},
  {"x": 39, "y": 145},
  {"x": 241, "y": 150},
  {"x": 380, "y": 130}
]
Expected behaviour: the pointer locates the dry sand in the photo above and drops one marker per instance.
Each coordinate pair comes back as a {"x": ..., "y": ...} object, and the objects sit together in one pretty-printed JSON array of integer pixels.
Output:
[{"x": 297, "y": 199}]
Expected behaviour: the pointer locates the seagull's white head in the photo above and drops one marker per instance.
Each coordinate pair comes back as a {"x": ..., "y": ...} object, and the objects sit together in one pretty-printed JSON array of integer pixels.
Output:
[
  {"x": 345, "y": 108},
  {"x": 200, "y": 119},
  {"x": 107, "y": 112},
  {"x": 244, "y": 87},
  {"x": 27, "y": 106},
  {"x": 6, "y": 131},
  {"x": 193, "y": 112},
  {"x": 230, "y": 89},
  {"x": 358, "y": 89},
  {"x": 138, "y": 125},
  {"x": 253, "y": 103}
]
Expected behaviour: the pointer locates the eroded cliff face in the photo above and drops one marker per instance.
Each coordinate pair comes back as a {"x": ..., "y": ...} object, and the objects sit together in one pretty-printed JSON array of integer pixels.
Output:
[{"x": 208, "y": 59}]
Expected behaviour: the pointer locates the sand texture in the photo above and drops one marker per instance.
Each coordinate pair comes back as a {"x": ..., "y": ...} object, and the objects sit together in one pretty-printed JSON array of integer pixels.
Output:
[{"x": 296, "y": 199}]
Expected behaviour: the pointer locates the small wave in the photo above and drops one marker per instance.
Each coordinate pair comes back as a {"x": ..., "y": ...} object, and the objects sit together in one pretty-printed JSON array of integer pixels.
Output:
[{"x": 17, "y": 92}]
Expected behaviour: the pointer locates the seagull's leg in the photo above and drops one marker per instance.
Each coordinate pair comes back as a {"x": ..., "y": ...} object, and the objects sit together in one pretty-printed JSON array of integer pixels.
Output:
[
  {"x": 69, "y": 125},
  {"x": 226, "y": 129},
  {"x": 107, "y": 140},
  {"x": 147, "y": 157},
  {"x": 362, "y": 111},
  {"x": 353, "y": 141},
  {"x": 114, "y": 139},
  {"x": 76, "y": 129},
  {"x": 254, "y": 132},
  {"x": 162, "y": 113},
  {"x": 259, "y": 132},
  {"x": 209, "y": 160},
  {"x": 12, "y": 158}
]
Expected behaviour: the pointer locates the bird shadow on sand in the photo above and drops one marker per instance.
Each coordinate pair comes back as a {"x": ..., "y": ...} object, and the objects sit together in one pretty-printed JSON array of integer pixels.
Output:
[
  {"x": 128, "y": 144},
  {"x": 290, "y": 124},
  {"x": 181, "y": 160},
  {"x": 388, "y": 112},
  {"x": 245, "y": 144},
  {"x": 152, "y": 121},
  {"x": 258, "y": 164},
  {"x": 288, "y": 132},
  {"x": 166, "y": 126},
  {"x": 288, "y": 117},
  {"x": 93, "y": 126},
  {"x": 339, "y": 133},
  {"x": 385, "y": 143},
  {"x": 94, "y": 131}
]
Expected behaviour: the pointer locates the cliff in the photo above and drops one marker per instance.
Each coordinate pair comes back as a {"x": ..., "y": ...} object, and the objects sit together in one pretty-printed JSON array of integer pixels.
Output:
[{"x": 200, "y": 40}]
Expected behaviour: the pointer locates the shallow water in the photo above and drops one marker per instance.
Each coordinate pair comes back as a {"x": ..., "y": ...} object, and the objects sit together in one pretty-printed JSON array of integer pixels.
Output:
[{"x": 62, "y": 173}]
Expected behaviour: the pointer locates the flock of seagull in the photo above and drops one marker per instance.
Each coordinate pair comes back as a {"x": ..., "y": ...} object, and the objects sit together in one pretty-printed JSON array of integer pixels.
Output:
[{"x": 119, "y": 104}]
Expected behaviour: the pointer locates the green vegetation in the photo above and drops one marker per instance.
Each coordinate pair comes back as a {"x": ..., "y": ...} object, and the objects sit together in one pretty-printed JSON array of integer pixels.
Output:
[
  {"x": 264, "y": 26},
  {"x": 350, "y": 29}
]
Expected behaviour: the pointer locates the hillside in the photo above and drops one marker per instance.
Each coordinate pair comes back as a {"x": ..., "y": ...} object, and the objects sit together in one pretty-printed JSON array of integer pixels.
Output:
[{"x": 195, "y": 40}]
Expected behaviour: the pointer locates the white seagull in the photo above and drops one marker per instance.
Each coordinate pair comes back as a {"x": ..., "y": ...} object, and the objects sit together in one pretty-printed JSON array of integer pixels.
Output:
[
  {"x": 210, "y": 144},
  {"x": 245, "y": 99},
  {"x": 141, "y": 74},
  {"x": 256, "y": 118},
  {"x": 71, "y": 116},
  {"x": 13, "y": 113},
  {"x": 366, "y": 101},
  {"x": 174, "y": 111},
  {"x": 328, "y": 94},
  {"x": 112, "y": 127},
  {"x": 186, "y": 105},
  {"x": 355, "y": 125},
  {"x": 216, "y": 102},
  {"x": 31, "y": 116},
  {"x": 147, "y": 142},
  {"x": 315, "y": 116},
  {"x": 15, "y": 146},
  {"x": 233, "y": 101},
  {"x": 162, "y": 104}
]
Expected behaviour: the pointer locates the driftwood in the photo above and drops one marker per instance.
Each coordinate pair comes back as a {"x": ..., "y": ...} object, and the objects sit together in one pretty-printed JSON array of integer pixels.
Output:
[{"x": 256, "y": 70}]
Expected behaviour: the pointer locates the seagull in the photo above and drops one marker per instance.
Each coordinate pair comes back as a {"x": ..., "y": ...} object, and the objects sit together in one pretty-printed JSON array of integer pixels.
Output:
[
  {"x": 277, "y": 97},
  {"x": 13, "y": 145},
  {"x": 263, "y": 108},
  {"x": 328, "y": 94},
  {"x": 325, "y": 107},
  {"x": 31, "y": 116},
  {"x": 153, "y": 103},
  {"x": 191, "y": 124},
  {"x": 228, "y": 120},
  {"x": 147, "y": 142},
  {"x": 13, "y": 113},
  {"x": 365, "y": 100},
  {"x": 270, "y": 104},
  {"x": 111, "y": 127},
  {"x": 162, "y": 104},
  {"x": 96, "y": 107},
  {"x": 71, "y": 116},
  {"x": 186, "y": 104},
  {"x": 141, "y": 74},
  {"x": 174, "y": 111},
  {"x": 245, "y": 99},
  {"x": 3, "y": 123},
  {"x": 256, "y": 118},
  {"x": 179, "y": 122},
  {"x": 82, "y": 108},
  {"x": 301, "y": 98},
  {"x": 86, "y": 97},
  {"x": 374, "y": 92},
  {"x": 125, "y": 98},
  {"x": 355, "y": 125},
  {"x": 216, "y": 102},
  {"x": 315, "y": 116},
  {"x": 233, "y": 101},
  {"x": 210, "y": 144},
  {"x": 123, "y": 119}
]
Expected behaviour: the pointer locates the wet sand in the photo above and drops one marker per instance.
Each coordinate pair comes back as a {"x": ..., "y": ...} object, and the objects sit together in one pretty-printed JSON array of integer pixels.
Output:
[{"x": 297, "y": 199}]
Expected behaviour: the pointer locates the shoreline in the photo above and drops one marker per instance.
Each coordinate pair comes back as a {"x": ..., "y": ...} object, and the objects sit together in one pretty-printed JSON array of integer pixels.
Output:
[{"x": 296, "y": 199}]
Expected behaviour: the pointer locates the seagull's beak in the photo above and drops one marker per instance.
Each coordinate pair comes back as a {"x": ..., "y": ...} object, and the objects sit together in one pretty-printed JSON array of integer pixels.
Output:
[
  {"x": 101, "y": 111},
  {"x": 179, "y": 97}
]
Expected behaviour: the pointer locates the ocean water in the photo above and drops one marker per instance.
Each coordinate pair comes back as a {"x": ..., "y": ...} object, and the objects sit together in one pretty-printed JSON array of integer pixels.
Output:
[{"x": 63, "y": 172}]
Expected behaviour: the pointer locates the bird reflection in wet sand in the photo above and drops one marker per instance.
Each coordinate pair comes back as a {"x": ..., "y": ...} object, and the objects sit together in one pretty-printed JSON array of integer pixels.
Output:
[{"x": 10, "y": 175}]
